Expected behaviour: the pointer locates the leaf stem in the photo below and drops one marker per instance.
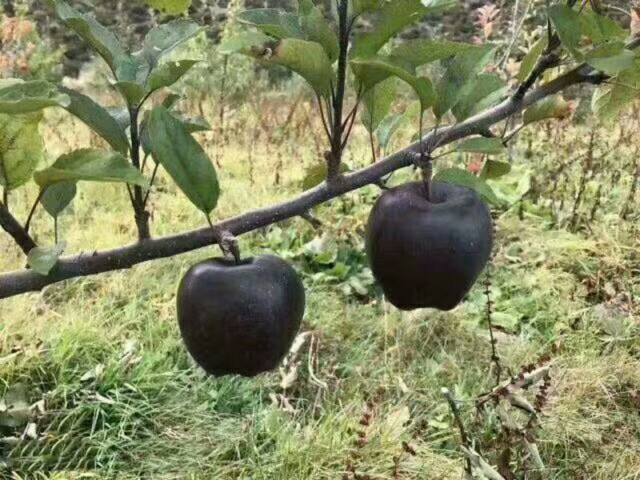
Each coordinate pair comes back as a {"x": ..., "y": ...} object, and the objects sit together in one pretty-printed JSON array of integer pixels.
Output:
[
  {"x": 153, "y": 177},
  {"x": 373, "y": 147},
  {"x": 324, "y": 119},
  {"x": 33, "y": 209}
]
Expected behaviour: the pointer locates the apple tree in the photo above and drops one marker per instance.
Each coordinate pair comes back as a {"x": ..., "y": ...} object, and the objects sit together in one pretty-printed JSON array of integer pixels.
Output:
[{"x": 427, "y": 241}]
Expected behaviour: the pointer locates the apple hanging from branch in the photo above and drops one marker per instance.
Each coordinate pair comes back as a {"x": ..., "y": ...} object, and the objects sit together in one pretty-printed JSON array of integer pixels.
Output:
[
  {"x": 427, "y": 253},
  {"x": 240, "y": 317}
]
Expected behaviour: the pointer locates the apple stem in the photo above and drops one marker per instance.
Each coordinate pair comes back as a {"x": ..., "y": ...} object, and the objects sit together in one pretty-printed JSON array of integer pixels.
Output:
[
  {"x": 424, "y": 162},
  {"x": 426, "y": 177},
  {"x": 227, "y": 242}
]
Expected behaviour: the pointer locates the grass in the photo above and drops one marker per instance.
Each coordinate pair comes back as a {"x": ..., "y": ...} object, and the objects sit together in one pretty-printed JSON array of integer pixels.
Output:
[{"x": 115, "y": 395}]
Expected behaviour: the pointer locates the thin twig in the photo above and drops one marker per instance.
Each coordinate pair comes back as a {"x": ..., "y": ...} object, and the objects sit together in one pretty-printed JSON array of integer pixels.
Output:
[
  {"x": 374, "y": 157},
  {"x": 153, "y": 177},
  {"x": 347, "y": 132},
  {"x": 523, "y": 381},
  {"x": 308, "y": 216},
  {"x": 464, "y": 438},
  {"x": 495, "y": 359},
  {"x": 12, "y": 227},
  {"x": 323, "y": 118},
  {"x": 33, "y": 209}
]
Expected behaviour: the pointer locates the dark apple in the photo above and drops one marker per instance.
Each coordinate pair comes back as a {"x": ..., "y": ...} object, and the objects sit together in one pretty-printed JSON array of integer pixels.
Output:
[
  {"x": 428, "y": 253},
  {"x": 240, "y": 318}
]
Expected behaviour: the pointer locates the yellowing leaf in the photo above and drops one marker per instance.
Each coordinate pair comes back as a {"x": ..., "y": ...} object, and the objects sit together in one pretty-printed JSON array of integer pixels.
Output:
[
  {"x": 550, "y": 107},
  {"x": 21, "y": 148},
  {"x": 531, "y": 58},
  {"x": 42, "y": 260},
  {"x": 90, "y": 165},
  {"x": 170, "y": 7}
]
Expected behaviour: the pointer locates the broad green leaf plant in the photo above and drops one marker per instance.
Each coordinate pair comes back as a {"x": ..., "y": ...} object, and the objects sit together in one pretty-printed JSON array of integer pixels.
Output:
[
  {"x": 460, "y": 84},
  {"x": 136, "y": 76}
]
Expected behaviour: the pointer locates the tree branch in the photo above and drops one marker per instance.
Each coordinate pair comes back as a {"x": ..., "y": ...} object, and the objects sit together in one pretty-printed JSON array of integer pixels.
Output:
[
  {"x": 141, "y": 215},
  {"x": 337, "y": 129},
  {"x": 13, "y": 228},
  {"x": 15, "y": 283}
]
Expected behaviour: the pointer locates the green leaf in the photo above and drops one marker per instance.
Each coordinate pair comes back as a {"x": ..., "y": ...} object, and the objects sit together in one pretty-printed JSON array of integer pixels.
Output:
[
  {"x": 9, "y": 82},
  {"x": 458, "y": 79},
  {"x": 164, "y": 38},
  {"x": 611, "y": 58},
  {"x": 482, "y": 145},
  {"x": 170, "y": 7},
  {"x": 21, "y": 148},
  {"x": 467, "y": 179},
  {"x": 99, "y": 119},
  {"x": 370, "y": 72},
  {"x": 244, "y": 42},
  {"x": 26, "y": 97},
  {"x": 423, "y": 51},
  {"x": 57, "y": 197},
  {"x": 531, "y": 58},
  {"x": 133, "y": 69},
  {"x": 193, "y": 125},
  {"x": 363, "y": 6},
  {"x": 42, "y": 260},
  {"x": 132, "y": 92},
  {"x": 567, "y": 24},
  {"x": 386, "y": 129},
  {"x": 183, "y": 158},
  {"x": 100, "y": 38},
  {"x": 122, "y": 118},
  {"x": 610, "y": 98},
  {"x": 317, "y": 29},
  {"x": 377, "y": 103},
  {"x": 391, "y": 18},
  {"x": 316, "y": 174},
  {"x": 170, "y": 101},
  {"x": 273, "y": 21},
  {"x": 549, "y": 107},
  {"x": 91, "y": 165},
  {"x": 494, "y": 169},
  {"x": 508, "y": 322},
  {"x": 167, "y": 73},
  {"x": 304, "y": 7},
  {"x": 307, "y": 59},
  {"x": 487, "y": 89},
  {"x": 600, "y": 29}
]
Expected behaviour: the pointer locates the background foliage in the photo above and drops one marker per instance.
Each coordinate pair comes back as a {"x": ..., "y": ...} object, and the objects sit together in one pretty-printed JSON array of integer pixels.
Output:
[{"x": 95, "y": 381}]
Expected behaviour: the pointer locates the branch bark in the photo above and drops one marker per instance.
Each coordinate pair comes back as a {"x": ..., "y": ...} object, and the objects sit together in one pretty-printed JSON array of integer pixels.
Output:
[
  {"x": 138, "y": 199},
  {"x": 15, "y": 283},
  {"x": 12, "y": 227}
]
